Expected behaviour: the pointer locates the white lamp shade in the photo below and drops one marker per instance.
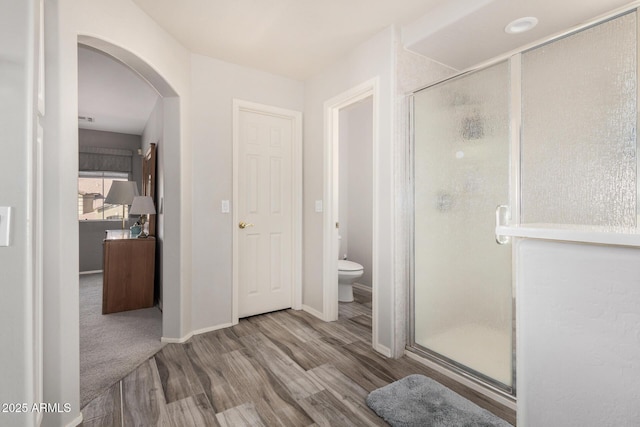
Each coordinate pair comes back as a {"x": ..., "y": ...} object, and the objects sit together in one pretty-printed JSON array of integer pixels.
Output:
[
  {"x": 122, "y": 193},
  {"x": 142, "y": 205}
]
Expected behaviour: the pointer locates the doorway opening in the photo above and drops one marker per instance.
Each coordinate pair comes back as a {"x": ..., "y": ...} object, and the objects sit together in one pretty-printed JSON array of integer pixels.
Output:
[
  {"x": 116, "y": 149},
  {"x": 355, "y": 210},
  {"x": 350, "y": 200}
]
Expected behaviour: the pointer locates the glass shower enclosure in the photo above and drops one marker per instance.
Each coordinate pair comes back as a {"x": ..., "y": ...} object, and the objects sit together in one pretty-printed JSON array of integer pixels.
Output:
[
  {"x": 462, "y": 293},
  {"x": 551, "y": 133}
]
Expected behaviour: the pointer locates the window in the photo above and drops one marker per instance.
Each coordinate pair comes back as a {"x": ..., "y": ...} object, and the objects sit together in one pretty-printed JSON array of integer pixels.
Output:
[{"x": 93, "y": 188}]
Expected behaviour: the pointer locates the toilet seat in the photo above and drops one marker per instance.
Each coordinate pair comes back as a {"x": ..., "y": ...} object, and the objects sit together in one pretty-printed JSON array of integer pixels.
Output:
[{"x": 345, "y": 265}]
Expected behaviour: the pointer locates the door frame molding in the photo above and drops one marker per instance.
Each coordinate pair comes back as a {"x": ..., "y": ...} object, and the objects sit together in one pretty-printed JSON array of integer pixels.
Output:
[
  {"x": 296, "y": 179},
  {"x": 332, "y": 107}
]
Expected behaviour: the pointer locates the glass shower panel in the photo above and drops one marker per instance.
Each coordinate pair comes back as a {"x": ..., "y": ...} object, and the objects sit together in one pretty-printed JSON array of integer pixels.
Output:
[
  {"x": 578, "y": 145},
  {"x": 462, "y": 278}
]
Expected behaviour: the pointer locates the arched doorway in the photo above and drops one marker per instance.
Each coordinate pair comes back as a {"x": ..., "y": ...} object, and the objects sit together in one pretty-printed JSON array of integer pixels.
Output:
[{"x": 165, "y": 125}]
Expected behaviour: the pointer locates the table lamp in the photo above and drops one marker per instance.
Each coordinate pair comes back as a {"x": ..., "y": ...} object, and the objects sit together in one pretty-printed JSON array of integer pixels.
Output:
[
  {"x": 142, "y": 205},
  {"x": 122, "y": 193}
]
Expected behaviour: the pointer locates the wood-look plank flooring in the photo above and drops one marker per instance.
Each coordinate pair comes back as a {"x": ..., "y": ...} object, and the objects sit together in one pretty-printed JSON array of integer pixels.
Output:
[{"x": 285, "y": 368}]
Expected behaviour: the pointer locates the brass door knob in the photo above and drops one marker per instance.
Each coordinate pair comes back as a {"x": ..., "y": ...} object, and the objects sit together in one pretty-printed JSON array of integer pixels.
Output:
[{"x": 244, "y": 225}]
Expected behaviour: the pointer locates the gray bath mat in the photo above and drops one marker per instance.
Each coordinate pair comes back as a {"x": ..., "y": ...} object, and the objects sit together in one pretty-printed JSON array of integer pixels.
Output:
[{"x": 420, "y": 401}]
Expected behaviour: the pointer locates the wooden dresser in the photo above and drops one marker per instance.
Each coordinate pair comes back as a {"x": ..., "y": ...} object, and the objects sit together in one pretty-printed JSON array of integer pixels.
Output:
[{"x": 128, "y": 266}]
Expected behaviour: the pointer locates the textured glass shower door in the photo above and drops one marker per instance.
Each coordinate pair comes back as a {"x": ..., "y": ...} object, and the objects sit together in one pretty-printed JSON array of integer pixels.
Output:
[{"x": 462, "y": 290}]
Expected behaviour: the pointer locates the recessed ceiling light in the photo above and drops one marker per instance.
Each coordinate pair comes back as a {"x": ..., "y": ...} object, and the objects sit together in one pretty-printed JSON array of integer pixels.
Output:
[{"x": 521, "y": 25}]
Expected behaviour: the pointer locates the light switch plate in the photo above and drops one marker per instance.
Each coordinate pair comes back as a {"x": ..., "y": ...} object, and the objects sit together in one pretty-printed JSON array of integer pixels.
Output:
[
  {"x": 225, "y": 206},
  {"x": 318, "y": 205},
  {"x": 5, "y": 225}
]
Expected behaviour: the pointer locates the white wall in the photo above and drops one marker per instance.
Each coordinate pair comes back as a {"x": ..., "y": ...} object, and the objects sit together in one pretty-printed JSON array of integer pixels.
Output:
[
  {"x": 356, "y": 185},
  {"x": 123, "y": 24},
  {"x": 578, "y": 349},
  {"x": 16, "y": 121},
  {"x": 215, "y": 84}
]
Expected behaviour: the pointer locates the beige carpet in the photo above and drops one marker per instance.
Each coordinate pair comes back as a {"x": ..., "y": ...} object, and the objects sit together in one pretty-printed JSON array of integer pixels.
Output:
[{"x": 112, "y": 345}]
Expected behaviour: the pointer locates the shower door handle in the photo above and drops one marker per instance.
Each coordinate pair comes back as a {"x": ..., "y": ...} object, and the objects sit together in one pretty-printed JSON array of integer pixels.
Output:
[{"x": 503, "y": 215}]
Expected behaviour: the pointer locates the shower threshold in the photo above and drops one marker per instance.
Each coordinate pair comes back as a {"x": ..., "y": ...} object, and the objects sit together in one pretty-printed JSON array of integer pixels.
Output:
[{"x": 476, "y": 351}]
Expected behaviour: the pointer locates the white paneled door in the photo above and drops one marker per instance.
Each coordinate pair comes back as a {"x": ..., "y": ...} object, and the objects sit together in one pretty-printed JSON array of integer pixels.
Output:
[{"x": 265, "y": 206}]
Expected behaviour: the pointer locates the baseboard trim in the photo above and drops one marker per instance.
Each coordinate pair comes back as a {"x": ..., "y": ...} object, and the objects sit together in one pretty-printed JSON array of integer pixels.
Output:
[
  {"x": 362, "y": 287},
  {"x": 82, "y": 273},
  {"x": 509, "y": 403},
  {"x": 382, "y": 349},
  {"x": 312, "y": 311},
  {"x": 177, "y": 340},
  {"x": 192, "y": 333},
  {"x": 211, "y": 329},
  {"x": 76, "y": 421}
]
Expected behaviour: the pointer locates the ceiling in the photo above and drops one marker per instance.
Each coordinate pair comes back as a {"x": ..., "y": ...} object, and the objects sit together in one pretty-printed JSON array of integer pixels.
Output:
[
  {"x": 298, "y": 38},
  {"x": 293, "y": 38},
  {"x": 117, "y": 98}
]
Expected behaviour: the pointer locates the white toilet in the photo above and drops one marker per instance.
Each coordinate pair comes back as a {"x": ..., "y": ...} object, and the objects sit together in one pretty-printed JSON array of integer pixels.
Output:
[{"x": 348, "y": 271}]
